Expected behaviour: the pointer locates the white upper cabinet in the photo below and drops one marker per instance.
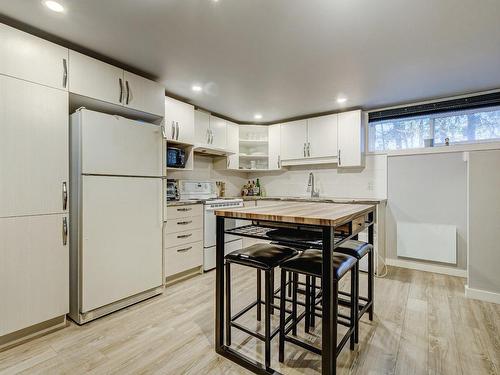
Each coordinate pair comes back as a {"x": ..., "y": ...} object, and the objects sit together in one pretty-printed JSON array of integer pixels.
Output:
[
  {"x": 293, "y": 140},
  {"x": 33, "y": 148},
  {"x": 179, "y": 121},
  {"x": 201, "y": 127},
  {"x": 33, "y": 59},
  {"x": 351, "y": 139},
  {"x": 322, "y": 136},
  {"x": 274, "y": 137},
  {"x": 233, "y": 145},
  {"x": 143, "y": 94},
  {"x": 218, "y": 132},
  {"x": 96, "y": 79}
]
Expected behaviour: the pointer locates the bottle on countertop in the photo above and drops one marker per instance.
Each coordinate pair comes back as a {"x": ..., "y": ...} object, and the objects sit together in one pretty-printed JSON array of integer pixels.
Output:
[{"x": 257, "y": 188}]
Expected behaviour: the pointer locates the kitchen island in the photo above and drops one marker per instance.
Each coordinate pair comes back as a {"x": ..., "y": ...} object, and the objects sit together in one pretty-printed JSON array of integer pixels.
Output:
[{"x": 337, "y": 223}]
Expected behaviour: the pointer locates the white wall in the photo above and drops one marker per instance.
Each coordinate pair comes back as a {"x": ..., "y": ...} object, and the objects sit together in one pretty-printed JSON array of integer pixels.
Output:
[
  {"x": 367, "y": 182},
  {"x": 204, "y": 170}
]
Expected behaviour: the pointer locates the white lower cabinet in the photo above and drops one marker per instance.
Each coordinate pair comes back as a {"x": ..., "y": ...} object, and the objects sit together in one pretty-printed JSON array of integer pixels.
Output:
[
  {"x": 34, "y": 270},
  {"x": 183, "y": 239}
]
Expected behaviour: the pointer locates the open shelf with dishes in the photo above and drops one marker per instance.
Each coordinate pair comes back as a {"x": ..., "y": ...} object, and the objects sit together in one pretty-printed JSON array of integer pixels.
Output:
[{"x": 253, "y": 147}]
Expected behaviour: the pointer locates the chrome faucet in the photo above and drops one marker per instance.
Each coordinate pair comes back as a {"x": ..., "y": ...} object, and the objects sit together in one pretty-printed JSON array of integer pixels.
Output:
[{"x": 310, "y": 186}]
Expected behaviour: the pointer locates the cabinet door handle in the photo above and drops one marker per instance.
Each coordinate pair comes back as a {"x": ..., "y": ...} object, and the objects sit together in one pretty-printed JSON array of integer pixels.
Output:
[
  {"x": 129, "y": 93},
  {"x": 184, "y": 249},
  {"x": 173, "y": 130},
  {"x": 304, "y": 149},
  {"x": 279, "y": 161},
  {"x": 64, "y": 195},
  {"x": 185, "y": 235},
  {"x": 339, "y": 159},
  {"x": 308, "y": 149},
  {"x": 211, "y": 137},
  {"x": 177, "y": 128},
  {"x": 163, "y": 132},
  {"x": 208, "y": 135},
  {"x": 65, "y": 231},
  {"x": 184, "y": 209},
  {"x": 65, "y": 73},
  {"x": 184, "y": 222},
  {"x": 120, "y": 81}
]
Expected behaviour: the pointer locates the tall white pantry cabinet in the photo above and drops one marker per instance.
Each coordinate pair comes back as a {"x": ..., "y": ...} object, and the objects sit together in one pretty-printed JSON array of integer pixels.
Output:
[{"x": 34, "y": 269}]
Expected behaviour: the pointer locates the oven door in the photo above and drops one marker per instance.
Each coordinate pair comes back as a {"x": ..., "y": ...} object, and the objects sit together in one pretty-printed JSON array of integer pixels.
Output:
[{"x": 209, "y": 235}]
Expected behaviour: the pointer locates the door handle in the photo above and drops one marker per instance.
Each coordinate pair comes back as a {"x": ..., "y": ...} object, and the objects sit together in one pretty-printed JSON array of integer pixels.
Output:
[
  {"x": 185, "y": 235},
  {"x": 65, "y": 73},
  {"x": 163, "y": 132},
  {"x": 120, "y": 81},
  {"x": 184, "y": 249},
  {"x": 64, "y": 195},
  {"x": 339, "y": 159},
  {"x": 308, "y": 149},
  {"x": 208, "y": 135},
  {"x": 184, "y": 209},
  {"x": 304, "y": 149},
  {"x": 184, "y": 222},
  {"x": 177, "y": 128},
  {"x": 65, "y": 231},
  {"x": 228, "y": 162},
  {"x": 279, "y": 161},
  {"x": 129, "y": 96},
  {"x": 173, "y": 130}
]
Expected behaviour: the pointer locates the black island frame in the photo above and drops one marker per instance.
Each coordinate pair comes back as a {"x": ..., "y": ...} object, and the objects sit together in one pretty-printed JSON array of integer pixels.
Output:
[{"x": 330, "y": 296}]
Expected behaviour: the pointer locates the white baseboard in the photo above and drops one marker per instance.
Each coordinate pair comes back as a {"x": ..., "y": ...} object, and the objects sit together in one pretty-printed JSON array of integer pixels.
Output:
[
  {"x": 482, "y": 295},
  {"x": 426, "y": 267}
]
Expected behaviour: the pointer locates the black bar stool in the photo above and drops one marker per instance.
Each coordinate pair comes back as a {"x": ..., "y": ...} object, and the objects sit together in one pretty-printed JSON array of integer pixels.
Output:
[
  {"x": 358, "y": 250},
  {"x": 310, "y": 263},
  {"x": 264, "y": 257}
]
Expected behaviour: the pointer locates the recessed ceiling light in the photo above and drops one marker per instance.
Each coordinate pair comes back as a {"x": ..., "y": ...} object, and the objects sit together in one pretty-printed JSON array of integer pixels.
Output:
[
  {"x": 257, "y": 116},
  {"x": 54, "y": 6},
  {"x": 196, "y": 88},
  {"x": 341, "y": 100}
]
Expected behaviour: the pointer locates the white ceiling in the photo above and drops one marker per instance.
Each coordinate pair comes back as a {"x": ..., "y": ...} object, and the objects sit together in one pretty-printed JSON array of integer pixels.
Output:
[{"x": 286, "y": 58}]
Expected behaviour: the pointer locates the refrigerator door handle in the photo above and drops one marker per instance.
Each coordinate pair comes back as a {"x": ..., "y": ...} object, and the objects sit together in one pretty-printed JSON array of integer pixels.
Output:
[
  {"x": 65, "y": 231},
  {"x": 64, "y": 195}
]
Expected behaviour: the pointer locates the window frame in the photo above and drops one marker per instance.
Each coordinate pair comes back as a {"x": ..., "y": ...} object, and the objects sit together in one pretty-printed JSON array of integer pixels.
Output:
[{"x": 489, "y": 143}]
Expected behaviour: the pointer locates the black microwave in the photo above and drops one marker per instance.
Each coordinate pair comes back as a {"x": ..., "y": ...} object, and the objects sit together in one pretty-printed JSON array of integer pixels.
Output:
[{"x": 176, "y": 157}]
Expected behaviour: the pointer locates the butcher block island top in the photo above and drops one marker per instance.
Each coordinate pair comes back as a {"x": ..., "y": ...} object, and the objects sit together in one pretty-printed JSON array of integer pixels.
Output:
[{"x": 321, "y": 214}]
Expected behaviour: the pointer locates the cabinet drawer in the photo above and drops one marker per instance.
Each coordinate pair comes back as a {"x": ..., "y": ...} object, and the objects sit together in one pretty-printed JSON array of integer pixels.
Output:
[
  {"x": 182, "y": 238},
  {"x": 176, "y": 212},
  {"x": 184, "y": 223},
  {"x": 183, "y": 258}
]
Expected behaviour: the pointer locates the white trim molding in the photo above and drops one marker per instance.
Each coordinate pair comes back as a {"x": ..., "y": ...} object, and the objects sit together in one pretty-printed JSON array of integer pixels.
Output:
[
  {"x": 451, "y": 271},
  {"x": 482, "y": 295}
]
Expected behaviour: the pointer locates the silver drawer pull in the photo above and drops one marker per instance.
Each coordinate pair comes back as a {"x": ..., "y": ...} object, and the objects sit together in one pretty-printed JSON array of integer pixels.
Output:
[
  {"x": 184, "y": 222},
  {"x": 185, "y": 249},
  {"x": 184, "y": 209},
  {"x": 185, "y": 235}
]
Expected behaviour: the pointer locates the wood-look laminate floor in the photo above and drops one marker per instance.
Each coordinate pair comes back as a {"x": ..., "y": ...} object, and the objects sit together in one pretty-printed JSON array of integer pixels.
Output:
[{"x": 423, "y": 325}]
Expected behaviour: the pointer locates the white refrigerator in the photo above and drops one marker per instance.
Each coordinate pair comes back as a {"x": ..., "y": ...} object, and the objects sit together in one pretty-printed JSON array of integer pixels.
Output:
[{"x": 116, "y": 220}]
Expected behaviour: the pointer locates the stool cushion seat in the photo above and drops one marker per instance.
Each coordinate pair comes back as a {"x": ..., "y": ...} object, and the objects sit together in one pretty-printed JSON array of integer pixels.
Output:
[
  {"x": 354, "y": 248},
  {"x": 261, "y": 255},
  {"x": 310, "y": 262}
]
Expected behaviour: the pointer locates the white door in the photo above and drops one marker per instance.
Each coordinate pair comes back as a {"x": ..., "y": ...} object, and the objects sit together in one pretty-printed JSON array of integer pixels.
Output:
[
  {"x": 322, "y": 136},
  {"x": 114, "y": 145},
  {"x": 350, "y": 139},
  {"x": 96, "y": 79},
  {"x": 233, "y": 145},
  {"x": 179, "y": 120},
  {"x": 274, "y": 136},
  {"x": 34, "y": 271},
  {"x": 121, "y": 238},
  {"x": 218, "y": 132},
  {"x": 27, "y": 57},
  {"x": 293, "y": 139},
  {"x": 33, "y": 148},
  {"x": 144, "y": 95},
  {"x": 201, "y": 127}
]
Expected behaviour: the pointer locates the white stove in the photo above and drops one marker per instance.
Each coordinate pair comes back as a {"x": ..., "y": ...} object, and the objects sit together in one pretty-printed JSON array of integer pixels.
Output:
[{"x": 206, "y": 191}]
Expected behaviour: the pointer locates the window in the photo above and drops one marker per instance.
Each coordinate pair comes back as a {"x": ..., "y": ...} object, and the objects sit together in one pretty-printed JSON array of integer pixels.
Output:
[{"x": 459, "y": 127}]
